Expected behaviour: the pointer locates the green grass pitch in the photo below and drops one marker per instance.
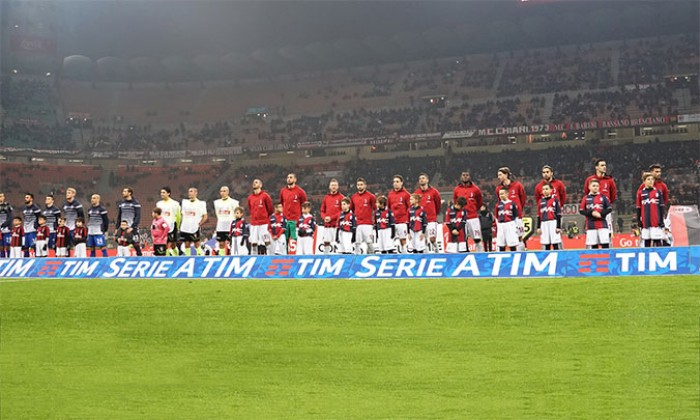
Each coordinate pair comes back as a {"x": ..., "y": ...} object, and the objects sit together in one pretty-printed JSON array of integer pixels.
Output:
[{"x": 537, "y": 348}]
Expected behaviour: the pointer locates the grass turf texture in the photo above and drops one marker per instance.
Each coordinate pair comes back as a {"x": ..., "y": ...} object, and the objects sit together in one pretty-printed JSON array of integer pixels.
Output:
[{"x": 609, "y": 347}]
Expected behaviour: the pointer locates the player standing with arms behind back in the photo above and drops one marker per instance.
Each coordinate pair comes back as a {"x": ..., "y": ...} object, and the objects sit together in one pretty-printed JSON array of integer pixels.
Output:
[
  {"x": 399, "y": 201},
  {"x": 607, "y": 188},
  {"x": 224, "y": 208},
  {"x": 330, "y": 212},
  {"x": 5, "y": 226},
  {"x": 130, "y": 210},
  {"x": 194, "y": 215},
  {"x": 474, "y": 201},
  {"x": 291, "y": 197},
  {"x": 172, "y": 214},
  {"x": 431, "y": 202},
  {"x": 260, "y": 208},
  {"x": 516, "y": 194},
  {"x": 363, "y": 204}
]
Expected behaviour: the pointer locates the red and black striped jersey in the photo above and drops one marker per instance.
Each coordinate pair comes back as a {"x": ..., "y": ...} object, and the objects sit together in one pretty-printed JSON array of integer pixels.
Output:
[
  {"x": 17, "y": 236},
  {"x": 62, "y": 236},
  {"x": 599, "y": 203},
  {"x": 650, "y": 207},
  {"x": 306, "y": 225},
  {"x": 417, "y": 219},
  {"x": 42, "y": 233},
  {"x": 347, "y": 221},
  {"x": 507, "y": 211}
]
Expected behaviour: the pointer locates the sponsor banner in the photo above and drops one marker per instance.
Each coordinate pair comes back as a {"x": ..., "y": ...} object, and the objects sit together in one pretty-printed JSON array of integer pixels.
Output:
[
  {"x": 553, "y": 128},
  {"x": 689, "y": 118},
  {"x": 618, "y": 262},
  {"x": 32, "y": 44},
  {"x": 694, "y": 260}
]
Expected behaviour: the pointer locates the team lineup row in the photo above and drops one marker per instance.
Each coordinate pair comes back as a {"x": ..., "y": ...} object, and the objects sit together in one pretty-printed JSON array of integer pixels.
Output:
[{"x": 397, "y": 222}]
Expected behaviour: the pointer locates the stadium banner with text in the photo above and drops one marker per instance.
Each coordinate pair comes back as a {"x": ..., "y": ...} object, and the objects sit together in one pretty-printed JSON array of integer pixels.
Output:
[
  {"x": 608, "y": 262},
  {"x": 554, "y": 128}
]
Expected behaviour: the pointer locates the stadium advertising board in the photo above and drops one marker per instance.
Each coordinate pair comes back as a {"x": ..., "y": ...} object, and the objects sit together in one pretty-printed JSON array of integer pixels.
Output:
[{"x": 620, "y": 262}]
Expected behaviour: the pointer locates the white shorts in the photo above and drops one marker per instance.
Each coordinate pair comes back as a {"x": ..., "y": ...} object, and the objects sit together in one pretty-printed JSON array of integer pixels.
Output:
[
  {"x": 455, "y": 247},
  {"x": 279, "y": 246},
  {"x": 259, "y": 234},
  {"x": 474, "y": 228},
  {"x": 597, "y": 236},
  {"x": 345, "y": 242},
  {"x": 609, "y": 220},
  {"x": 81, "y": 250},
  {"x": 123, "y": 251},
  {"x": 41, "y": 248},
  {"x": 519, "y": 227},
  {"x": 305, "y": 245},
  {"x": 329, "y": 234},
  {"x": 384, "y": 241},
  {"x": 62, "y": 252},
  {"x": 238, "y": 246},
  {"x": 401, "y": 230},
  {"x": 16, "y": 252},
  {"x": 655, "y": 233},
  {"x": 431, "y": 230},
  {"x": 416, "y": 242},
  {"x": 507, "y": 234},
  {"x": 364, "y": 233},
  {"x": 549, "y": 233}
]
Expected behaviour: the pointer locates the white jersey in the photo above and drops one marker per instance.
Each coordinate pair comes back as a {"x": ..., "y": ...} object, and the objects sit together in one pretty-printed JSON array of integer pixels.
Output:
[
  {"x": 192, "y": 214},
  {"x": 170, "y": 209},
  {"x": 224, "y": 213}
]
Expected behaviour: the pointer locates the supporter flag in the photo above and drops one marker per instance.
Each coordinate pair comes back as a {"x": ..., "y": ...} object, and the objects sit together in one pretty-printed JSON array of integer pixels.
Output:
[{"x": 685, "y": 225}]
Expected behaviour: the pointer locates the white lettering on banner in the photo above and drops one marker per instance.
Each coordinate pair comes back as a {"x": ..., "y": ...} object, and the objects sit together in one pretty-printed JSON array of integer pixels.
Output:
[
  {"x": 549, "y": 263},
  {"x": 497, "y": 263},
  {"x": 468, "y": 264},
  {"x": 187, "y": 267},
  {"x": 655, "y": 261},
  {"x": 320, "y": 267},
  {"x": 393, "y": 267},
  {"x": 15, "y": 267},
  {"x": 79, "y": 268}
]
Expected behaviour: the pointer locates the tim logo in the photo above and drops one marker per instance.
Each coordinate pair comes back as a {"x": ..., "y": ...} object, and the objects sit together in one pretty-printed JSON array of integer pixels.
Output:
[
  {"x": 279, "y": 267},
  {"x": 594, "y": 263},
  {"x": 50, "y": 268}
]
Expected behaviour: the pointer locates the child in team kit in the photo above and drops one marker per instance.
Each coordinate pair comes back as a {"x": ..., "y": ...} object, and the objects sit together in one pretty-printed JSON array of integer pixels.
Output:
[
  {"x": 159, "y": 232},
  {"x": 306, "y": 227},
  {"x": 43, "y": 232},
  {"x": 79, "y": 240},
  {"x": 17, "y": 238},
  {"x": 62, "y": 238},
  {"x": 417, "y": 225},
  {"x": 384, "y": 227},
  {"x": 123, "y": 238},
  {"x": 278, "y": 226},
  {"x": 650, "y": 212},
  {"x": 240, "y": 231},
  {"x": 347, "y": 226},
  {"x": 456, "y": 220},
  {"x": 596, "y": 207},
  {"x": 549, "y": 219},
  {"x": 507, "y": 212}
]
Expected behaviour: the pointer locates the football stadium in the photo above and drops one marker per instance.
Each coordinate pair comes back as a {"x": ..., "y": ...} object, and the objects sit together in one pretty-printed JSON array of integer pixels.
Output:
[{"x": 349, "y": 209}]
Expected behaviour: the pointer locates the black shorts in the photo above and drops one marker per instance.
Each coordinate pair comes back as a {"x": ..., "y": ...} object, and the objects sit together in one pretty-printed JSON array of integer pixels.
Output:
[
  {"x": 189, "y": 237},
  {"x": 172, "y": 236},
  {"x": 159, "y": 250},
  {"x": 223, "y": 236},
  {"x": 134, "y": 239}
]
